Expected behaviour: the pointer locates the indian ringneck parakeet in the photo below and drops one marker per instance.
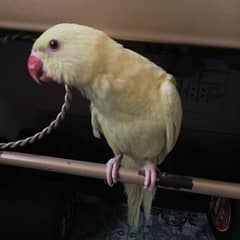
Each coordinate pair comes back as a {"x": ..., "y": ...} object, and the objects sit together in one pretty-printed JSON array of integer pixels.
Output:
[{"x": 134, "y": 103}]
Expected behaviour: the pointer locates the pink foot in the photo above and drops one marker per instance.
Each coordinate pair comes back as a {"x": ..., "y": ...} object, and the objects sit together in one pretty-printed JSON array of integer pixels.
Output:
[
  {"x": 150, "y": 175},
  {"x": 112, "y": 168}
]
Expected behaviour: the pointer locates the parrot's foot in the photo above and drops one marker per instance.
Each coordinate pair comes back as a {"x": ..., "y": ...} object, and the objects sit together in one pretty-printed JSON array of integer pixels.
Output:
[
  {"x": 112, "y": 168},
  {"x": 150, "y": 169}
]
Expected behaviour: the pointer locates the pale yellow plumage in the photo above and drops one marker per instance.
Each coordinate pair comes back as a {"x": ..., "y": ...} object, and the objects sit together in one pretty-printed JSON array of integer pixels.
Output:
[{"x": 134, "y": 103}]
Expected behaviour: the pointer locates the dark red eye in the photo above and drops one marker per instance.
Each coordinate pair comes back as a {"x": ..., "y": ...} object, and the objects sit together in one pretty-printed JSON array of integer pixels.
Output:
[{"x": 54, "y": 44}]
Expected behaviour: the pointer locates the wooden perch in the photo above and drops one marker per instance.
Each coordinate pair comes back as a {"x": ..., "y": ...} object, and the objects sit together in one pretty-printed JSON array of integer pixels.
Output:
[{"x": 97, "y": 170}]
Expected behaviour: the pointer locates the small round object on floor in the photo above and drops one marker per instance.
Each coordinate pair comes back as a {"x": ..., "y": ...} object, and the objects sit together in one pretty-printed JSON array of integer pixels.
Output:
[
  {"x": 220, "y": 213},
  {"x": 224, "y": 217}
]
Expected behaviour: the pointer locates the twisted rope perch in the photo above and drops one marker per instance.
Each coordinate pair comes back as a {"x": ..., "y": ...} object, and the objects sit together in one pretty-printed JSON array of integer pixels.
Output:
[
  {"x": 47, "y": 130},
  {"x": 55, "y": 123}
]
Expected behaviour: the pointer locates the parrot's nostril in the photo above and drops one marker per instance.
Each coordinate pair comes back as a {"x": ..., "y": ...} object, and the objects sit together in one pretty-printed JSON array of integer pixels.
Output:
[{"x": 35, "y": 67}]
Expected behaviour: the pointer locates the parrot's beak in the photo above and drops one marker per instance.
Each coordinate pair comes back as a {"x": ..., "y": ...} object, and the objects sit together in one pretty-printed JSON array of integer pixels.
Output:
[{"x": 35, "y": 69}]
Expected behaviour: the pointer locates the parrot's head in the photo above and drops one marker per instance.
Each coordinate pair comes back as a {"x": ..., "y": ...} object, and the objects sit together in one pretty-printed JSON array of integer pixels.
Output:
[{"x": 67, "y": 53}]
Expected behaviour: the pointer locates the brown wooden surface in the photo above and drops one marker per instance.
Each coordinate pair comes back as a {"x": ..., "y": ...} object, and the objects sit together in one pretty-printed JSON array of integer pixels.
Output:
[{"x": 206, "y": 22}]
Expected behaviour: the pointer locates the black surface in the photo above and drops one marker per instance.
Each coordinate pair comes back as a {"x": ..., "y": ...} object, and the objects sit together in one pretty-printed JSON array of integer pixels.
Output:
[
  {"x": 98, "y": 218},
  {"x": 32, "y": 211}
]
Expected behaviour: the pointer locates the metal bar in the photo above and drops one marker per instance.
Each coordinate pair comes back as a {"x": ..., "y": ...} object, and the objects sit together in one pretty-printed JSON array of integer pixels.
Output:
[{"x": 97, "y": 170}]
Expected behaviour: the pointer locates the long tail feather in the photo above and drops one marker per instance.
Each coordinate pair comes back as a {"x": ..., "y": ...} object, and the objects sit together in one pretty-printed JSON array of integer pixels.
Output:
[{"x": 137, "y": 196}]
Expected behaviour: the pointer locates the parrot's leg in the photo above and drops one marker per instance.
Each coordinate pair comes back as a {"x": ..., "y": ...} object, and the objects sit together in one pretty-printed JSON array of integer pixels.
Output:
[
  {"x": 150, "y": 179},
  {"x": 112, "y": 168}
]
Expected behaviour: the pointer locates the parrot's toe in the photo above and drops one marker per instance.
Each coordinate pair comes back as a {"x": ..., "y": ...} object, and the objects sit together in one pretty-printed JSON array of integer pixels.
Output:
[
  {"x": 150, "y": 179},
  {"x": 112, "y": 168}
]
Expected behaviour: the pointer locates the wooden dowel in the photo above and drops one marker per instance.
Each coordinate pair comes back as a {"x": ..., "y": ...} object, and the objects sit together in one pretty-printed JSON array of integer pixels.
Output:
[
  {"x": 97, "y": 170},
  {"x": 216, "y": 188},
  {"x": 61, "y": 165},
  {"x": 202, "y": 186}
]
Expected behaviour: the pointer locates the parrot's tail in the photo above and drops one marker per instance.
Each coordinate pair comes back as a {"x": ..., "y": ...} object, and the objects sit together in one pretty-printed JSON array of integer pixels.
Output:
[{"x": 137, "y": 196}]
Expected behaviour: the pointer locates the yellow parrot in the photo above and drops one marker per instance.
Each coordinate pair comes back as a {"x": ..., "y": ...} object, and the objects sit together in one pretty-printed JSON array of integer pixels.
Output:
[{"x": 134, "y": 102}]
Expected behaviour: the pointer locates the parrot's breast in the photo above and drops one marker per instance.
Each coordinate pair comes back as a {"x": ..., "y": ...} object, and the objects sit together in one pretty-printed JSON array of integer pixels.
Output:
[{"x": 139, "y": 138}]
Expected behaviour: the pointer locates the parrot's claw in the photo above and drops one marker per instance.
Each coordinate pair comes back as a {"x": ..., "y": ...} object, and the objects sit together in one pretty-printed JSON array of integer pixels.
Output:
[
  {"x": 96, "y": 134},
  {"x": 112, "y": 168},
  {"x": 150, "y": 180}
]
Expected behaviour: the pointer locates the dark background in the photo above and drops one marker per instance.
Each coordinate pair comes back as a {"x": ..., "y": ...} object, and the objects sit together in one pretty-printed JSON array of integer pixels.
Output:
[{"x": 208, "y": 82}]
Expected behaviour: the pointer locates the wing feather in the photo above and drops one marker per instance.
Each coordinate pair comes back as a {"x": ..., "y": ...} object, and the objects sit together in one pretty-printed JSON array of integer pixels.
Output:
[{"x": 172, "y": 108}]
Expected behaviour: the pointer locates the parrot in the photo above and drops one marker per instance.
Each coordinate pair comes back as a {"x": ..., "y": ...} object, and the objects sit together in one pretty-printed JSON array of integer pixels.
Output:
[{"x": 134, "y": 103}]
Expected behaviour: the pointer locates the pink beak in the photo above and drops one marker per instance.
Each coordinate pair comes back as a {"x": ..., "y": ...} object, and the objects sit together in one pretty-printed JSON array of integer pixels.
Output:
[{"x": 35, "y": 69}]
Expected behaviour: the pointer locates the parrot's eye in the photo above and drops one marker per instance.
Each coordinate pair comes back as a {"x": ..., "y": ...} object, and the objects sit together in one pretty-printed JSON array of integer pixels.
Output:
[{"x": 54, "y": 44}]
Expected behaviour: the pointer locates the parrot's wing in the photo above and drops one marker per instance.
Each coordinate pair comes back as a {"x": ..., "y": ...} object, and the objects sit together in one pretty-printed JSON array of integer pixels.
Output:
[
  {"x": 95, "y": 123},
  {"x": 173, "y": 112}
]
